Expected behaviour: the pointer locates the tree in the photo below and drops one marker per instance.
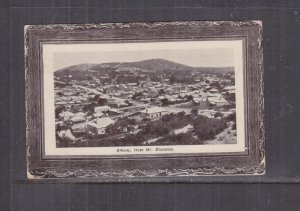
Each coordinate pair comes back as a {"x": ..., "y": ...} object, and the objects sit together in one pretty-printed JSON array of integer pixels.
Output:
[
  {"x": 89, "y": 108},
  {"x": 59, "y": 94},
  {"x": 166, "y": 118},
  {"x": 58, "y": 110},
  {"x": 194, "y": 111},
  {"x": 172, "y": 79},
  {"x": 161, "y": 92},
  {"x": 160, "y": 130},
  {"x": 234, "y": 126},
  {"x": 215, "y": 84},
  {"x": 206, "y": 128},
  {"x": 137, "y": 95},
  {"x": 102, "y": 101},
  {"x": 231, "y": 117},
  {"x": 230, "y": 97},
  {"x": 164, "y": 102},
  {"x": 190, "y": 98},
  {"x": 112, "y": 129},
  {"x": 132, "y": 140},
  {"x": 218, "y": 114},
  {"x": 127, "y": 102},
  {"x": 182, "y": 139}
]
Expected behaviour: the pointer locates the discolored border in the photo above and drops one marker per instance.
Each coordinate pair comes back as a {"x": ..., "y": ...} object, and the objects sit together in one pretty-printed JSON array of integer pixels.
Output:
[{"x": 250, "y": 163}]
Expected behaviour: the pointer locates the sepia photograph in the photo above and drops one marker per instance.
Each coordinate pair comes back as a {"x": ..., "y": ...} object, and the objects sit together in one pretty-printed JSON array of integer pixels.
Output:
[
  {"x": 169, "y": 93},
  {"x": 145, "y": 97},
  {"x": 110, "y": 93}
]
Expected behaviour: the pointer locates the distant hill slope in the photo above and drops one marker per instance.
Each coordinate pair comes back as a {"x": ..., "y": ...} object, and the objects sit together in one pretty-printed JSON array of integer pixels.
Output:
[{"x": 158, "y": 66}]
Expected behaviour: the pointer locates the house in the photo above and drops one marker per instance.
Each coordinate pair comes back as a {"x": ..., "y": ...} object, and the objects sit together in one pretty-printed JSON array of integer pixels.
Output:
[
  {"x": 120, "y": 103},
  {"x": 98, "y": 126},
  {"x": 217, "y": 101},
  {"x": 100, "y": 109},
  {"x": 79, "y": 127},
  {"x": 153, "y": 112},
  {"x": 200, "y": 100},
  {"x": 77, "y": 119},
  {"x": 229, "y": 89},
  {"x": 213, "y": 91},
  {"x": 66, "y": 115}
]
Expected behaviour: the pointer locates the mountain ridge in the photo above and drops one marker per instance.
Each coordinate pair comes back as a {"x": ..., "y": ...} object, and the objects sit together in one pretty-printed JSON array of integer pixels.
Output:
[{"x": 149, "y": 65}]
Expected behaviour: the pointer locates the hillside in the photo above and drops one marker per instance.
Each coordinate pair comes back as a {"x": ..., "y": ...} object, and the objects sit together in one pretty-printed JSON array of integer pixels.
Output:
[{"x": 156, "y": 66}]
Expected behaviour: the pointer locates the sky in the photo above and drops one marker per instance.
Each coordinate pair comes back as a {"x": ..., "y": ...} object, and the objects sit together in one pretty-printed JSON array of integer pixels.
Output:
[{"x": 222, "y": 57}]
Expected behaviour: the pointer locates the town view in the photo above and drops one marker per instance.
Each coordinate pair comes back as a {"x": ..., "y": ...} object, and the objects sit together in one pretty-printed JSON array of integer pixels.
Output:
[{"x": 148, "y": 102}]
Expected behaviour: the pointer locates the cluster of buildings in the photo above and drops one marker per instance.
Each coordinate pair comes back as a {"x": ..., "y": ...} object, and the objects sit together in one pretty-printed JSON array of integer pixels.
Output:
[{"x": 143, "y": 100}]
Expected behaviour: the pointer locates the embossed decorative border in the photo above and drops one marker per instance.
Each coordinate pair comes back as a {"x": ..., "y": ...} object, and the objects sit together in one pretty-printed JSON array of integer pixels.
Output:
[{"x": 38, "y": 170}]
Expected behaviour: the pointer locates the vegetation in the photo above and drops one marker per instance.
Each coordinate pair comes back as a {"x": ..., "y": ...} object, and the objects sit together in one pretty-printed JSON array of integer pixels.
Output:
[
  {"x": 218, "y": 114},
  {"x": 89, "y": 108},
  {"x": 58, "y": 110},
  {"x": 206, "y": 128},
  {"x": 182, "y": 138},
  {"x": 230, "y": 97},
  {"x": 216, "y": 85},
  {"x": 194, "y": 111},
  {"x": 231, "y": 117},
  {"x": 120, "y": 125},
  {"x": 181, "y": 78}
]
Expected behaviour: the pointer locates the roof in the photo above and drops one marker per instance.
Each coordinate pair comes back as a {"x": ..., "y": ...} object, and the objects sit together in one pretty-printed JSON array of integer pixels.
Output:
[
  {"x": 216, "y": 100},
  {"x": 98, "y": 114},
  {"x": 229, "y": 88},
  {"x": 77, "y": 118},
  {"x": 197, "y": 99},
  {"x": 101, "y": 108},
  {"x": 66, "y": 114},
  {"x": 101, "y": 122},
  {"x": 80, "y": 114},
  {"x": 153, "y": 110}
]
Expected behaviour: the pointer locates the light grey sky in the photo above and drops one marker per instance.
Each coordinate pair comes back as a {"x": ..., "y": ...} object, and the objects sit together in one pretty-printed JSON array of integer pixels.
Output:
[{"x": 222, "y": 57}]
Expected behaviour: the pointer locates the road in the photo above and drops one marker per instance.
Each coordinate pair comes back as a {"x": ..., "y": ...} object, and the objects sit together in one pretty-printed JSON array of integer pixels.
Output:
[{"x": 89, "y": 89}]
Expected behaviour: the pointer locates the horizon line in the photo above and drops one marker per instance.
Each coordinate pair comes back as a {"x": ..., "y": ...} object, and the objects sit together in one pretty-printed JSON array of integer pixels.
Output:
[{"x": 146, "y": 60}]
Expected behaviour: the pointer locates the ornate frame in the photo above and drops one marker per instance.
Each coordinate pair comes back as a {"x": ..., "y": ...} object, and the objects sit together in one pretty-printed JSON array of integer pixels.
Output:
[{"x": 133, "y": 169}]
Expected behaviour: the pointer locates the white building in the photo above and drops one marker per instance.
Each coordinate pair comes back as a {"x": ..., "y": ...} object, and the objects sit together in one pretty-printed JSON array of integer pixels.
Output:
[
  {"x": 200, "y": 100},
  {"x": 153, "y": 112},
  {"x": 216, "y": 101},
  {"x": 100, "y": 109},
  {"x": 229, "y": 89},
  {"x": 98, "y": 126},
  {"x": 213, "y": 90},
  {"x": 66, "y": 115},
  {"x": 78, "y": 117}
]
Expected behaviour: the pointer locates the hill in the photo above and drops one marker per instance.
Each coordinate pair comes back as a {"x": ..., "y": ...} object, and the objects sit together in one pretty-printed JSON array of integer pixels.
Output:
[{"x": 153, "y": 66}]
